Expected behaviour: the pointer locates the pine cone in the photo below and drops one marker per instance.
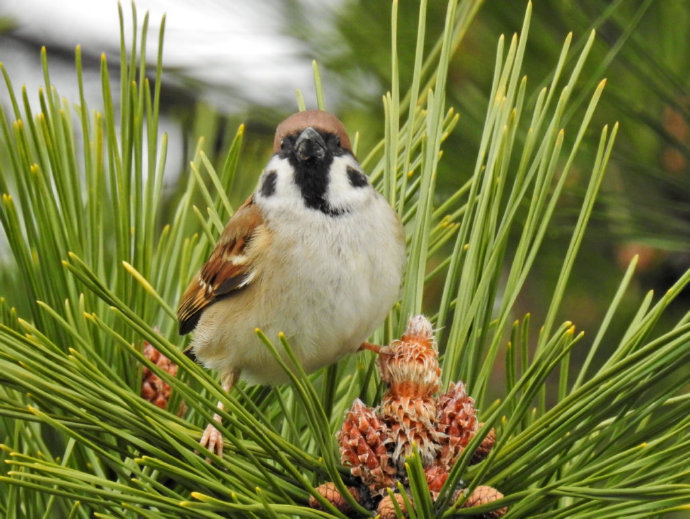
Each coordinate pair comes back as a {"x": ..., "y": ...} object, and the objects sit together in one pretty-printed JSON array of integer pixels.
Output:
[
  {"x": 386, "y": 508},
  {"x": 457, "y": 420},
  {"x": 436, "y": 476},
  {"x": 362, "y": 442},
  {"x": 410, "y": 420},
  {"x": 483, "y": 495},
  {"x": 485, "y": 446},
  {"x": 153, "y": 388},
  {"x": 410, "y": 366},
  {"x": 410, "y": 369},
  {"x": 331, "y": 494}
]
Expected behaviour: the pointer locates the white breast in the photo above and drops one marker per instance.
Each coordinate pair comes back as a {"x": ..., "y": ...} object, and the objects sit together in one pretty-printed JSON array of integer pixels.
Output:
[{"x": 331, "y": 282}]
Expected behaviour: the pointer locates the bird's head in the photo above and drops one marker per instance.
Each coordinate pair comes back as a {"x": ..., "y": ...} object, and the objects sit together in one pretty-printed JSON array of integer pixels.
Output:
[{"x": 313, "y": 166}]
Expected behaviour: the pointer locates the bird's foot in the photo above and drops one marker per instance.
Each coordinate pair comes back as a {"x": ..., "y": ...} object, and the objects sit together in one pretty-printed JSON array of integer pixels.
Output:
[{"x": 212, "y": 439}]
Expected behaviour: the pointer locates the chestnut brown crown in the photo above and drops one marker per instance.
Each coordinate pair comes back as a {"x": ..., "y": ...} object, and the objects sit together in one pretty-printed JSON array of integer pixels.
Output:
[{"x": 317, "y": 119}]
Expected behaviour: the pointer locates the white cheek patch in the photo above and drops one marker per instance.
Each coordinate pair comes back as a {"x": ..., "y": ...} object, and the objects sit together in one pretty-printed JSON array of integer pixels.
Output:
[
  {"x": 277, "y": 190},
  {"x": 342, "y": 191}
]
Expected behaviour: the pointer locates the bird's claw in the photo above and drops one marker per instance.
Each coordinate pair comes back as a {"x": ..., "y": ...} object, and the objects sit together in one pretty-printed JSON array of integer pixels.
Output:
[{"x": 212, "y": 439}]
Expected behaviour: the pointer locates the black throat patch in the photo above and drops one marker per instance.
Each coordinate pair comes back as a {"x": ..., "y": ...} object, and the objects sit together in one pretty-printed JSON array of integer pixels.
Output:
[{"x": 312, "y": 177}]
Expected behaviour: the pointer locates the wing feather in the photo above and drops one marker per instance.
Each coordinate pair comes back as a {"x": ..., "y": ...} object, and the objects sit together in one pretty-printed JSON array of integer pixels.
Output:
[{"x": 226, "y": 271}]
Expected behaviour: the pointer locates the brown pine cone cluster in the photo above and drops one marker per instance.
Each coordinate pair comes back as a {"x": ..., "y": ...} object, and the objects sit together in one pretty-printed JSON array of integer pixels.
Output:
[
  {"x": 374, "y": 442},
  {"x": 363, "y": 448},
  {"x": 153, "y": 388}
]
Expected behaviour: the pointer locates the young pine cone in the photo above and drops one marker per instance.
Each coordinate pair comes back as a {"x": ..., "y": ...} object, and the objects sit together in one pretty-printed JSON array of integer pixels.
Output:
[
  {"x": 483, "y": 495},
  {"x": 410, "y": 368},
  {"x": 153, "y": 388},
  {"x": 457, "y": 419},
  {"x": 410, "y": 421},
  {"x": 362, "y": 441},
  {"x": 436, "y": 476},
  {"x": 386, "y": 508},
  {"x": 485, "y": 446},
  {"x": 330, "y": 493}
]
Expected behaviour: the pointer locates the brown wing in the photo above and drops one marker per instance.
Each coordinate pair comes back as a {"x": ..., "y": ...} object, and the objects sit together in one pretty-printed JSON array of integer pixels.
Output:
[{"x": 227, "y": 269}]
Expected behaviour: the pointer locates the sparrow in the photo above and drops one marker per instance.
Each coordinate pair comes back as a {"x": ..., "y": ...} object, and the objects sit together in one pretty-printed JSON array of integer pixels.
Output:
[{"x": 315, "y": 253}]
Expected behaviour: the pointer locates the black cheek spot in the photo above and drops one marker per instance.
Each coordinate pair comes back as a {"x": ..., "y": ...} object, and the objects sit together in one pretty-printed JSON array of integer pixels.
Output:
[
  {"x": 357, "y": 178},
  {"x": 268, "y": 186}
]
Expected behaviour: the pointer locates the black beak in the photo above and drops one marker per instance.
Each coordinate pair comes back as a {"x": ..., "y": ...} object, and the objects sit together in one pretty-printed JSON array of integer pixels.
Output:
[{"x": 310, "y": 145}]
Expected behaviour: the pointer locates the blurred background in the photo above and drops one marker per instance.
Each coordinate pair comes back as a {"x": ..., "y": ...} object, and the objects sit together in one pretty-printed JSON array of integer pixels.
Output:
[{"x": 227, "y": 63}]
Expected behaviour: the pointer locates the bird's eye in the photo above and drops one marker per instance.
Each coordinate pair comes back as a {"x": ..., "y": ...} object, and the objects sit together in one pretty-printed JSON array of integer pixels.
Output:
[
  {"x": 333, "y": 142},
  {"x": 283, "y": 144}
]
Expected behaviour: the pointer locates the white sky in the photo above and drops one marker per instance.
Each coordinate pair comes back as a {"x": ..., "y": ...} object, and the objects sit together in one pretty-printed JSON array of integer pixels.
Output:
[{"x": 234, "y": 43}]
